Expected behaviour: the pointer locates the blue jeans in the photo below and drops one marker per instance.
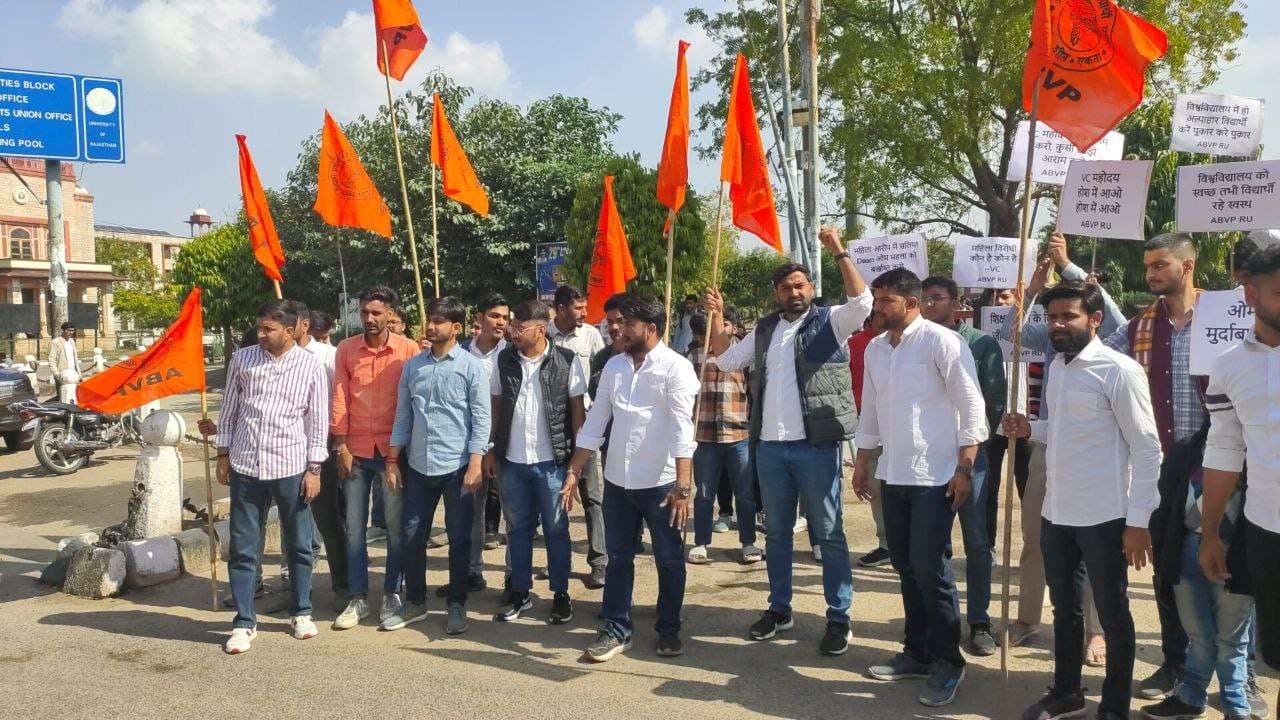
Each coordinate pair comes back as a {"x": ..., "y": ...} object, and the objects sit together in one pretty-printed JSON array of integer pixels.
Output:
[
  {"x": 708, "y": 460},
  {"x": 250, "y": 498},
  {"x": 1217, "y": 624},
  {"x": 624, "y": 511},
  {"x": 530, "y": 491},
  {"x": 978, "y": 553},
  {"x": 917, "y": 521},
  {"x": 796, "y": 470},
  {"x": 422, "y": 494},
  {"x": 368, "y": 473}
]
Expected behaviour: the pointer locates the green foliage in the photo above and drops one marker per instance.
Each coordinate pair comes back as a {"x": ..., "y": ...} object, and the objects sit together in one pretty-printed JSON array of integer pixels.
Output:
[
  {"x": 138, "y": 295},
  {"x": 747, "y": 281},
  {"x": 221, "y": 262},
  {"x": 529, "y": 160},
  {"x": 130, "y": 261},
  {"x": 642, "y": 219}
]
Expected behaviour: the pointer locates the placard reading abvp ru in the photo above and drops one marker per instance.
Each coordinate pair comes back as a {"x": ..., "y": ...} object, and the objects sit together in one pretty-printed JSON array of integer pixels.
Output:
[{"x": 58, "y": 116}]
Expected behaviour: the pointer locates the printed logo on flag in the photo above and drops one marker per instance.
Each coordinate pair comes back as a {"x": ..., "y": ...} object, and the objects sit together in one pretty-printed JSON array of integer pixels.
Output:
[
  {"x": 345, "y": 182},
  {"x": 1083, "y": 29}
]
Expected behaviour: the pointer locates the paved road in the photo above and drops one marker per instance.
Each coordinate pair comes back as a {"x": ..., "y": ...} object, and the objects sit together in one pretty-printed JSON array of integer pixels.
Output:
[{"x": 156, "y": 652}]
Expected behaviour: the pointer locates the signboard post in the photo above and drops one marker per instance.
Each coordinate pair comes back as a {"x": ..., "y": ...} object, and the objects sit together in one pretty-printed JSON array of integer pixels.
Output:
[
  {"x": 1105, "y": 199},
  {"x": 549, "y": 267},
  {"x": 877, "y": 256},
  {"x": 1054, "y": 154},
  {"x": 1222, "y": 125},
  {"x": 989, "y": 262},
  {"x": 1221, "y": 320},
  {"x": 1229, "y": 196}
]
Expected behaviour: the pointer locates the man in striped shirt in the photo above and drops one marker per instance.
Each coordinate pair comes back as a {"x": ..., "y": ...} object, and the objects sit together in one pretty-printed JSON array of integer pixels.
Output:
[{"x": 273, "y": 439}]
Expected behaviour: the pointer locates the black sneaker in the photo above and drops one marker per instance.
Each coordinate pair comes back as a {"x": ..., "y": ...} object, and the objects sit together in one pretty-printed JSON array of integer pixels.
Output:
[
  {"x": 229, "y": 601},
  {"x": 770, "y": 624},
  {"x": 836, "y": 640},
  {"x": 605, "y": 647},
  {"x": 875, "y": 558},
  {"x": 901, "y": 667},
  {"x": 519, "y": 603},
  {"x": 491, "y": 541},
  {"x": 670, "y": 646},
  {"x": 561, "y": 609},
  {"x": 981, "y": 642},
  {"x": 475, "y": 583},
  {"x": 1258, "y": 707},
  {"x": 1172, "y": 708},
  {"x": 1056, "y": 707},
  {"x": 595, "y": 581},
  {"x": 1161, "y": 683}
]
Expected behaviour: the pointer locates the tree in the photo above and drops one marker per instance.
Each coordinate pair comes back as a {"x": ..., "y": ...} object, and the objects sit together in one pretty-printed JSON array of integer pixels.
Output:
[
  {"x": 140, "y": 295},
  {"x": 529, "y": 160},
  {"x": 642, "y": 219},
  {"x": 921, "y": 98},
  {"x": 221, "y": 262}
]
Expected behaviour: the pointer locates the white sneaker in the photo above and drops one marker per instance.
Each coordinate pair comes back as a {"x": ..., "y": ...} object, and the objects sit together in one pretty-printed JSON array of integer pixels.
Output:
[
  {"x": 390, "y": 606},
  {"x": 356, "y": 610},
  {"x": 240, "y": 640},
  {"x": 698, "y": 555},
  {"x": 303, "y": 628},
  {"x": 802, "y": 524}
]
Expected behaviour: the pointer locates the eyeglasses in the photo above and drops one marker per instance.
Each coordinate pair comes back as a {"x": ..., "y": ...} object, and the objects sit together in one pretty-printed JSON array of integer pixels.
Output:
[
  {"x": 934, "y": 299},
  {"x": 522, "y": 329}
]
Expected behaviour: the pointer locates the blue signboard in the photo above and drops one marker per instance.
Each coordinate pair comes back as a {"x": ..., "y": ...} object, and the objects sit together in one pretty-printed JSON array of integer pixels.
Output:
[
  {"x": 57, "y": 116},
  {"x": 549, "y": 261}
]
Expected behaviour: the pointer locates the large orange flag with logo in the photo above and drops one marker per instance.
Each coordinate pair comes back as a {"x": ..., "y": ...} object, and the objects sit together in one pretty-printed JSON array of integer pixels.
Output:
[
  {"x": 456, "y": 174},
  {"x": 345, "y": 194},
  {"x": 611, "y": 265},
  {"x": 174, "y": 364},
  {"x": 743, "y": 164},
  {"x": 262, "y": 229},
  {"x": 673, "y": 166},
  {"x": 1089, "y": 58},
  {"x": 399, "y": 34}
]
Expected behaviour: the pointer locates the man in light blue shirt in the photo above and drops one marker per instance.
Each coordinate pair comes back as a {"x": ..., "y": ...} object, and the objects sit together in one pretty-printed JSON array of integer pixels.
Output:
[{"x": 442, "y": 417}]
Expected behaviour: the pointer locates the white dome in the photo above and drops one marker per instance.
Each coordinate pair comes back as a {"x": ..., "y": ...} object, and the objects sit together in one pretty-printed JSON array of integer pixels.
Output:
[{"x": 199, "y": 211}]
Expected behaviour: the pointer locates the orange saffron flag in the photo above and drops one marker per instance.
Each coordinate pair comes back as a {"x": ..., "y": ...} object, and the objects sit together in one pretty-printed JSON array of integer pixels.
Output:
[
  {"x": 611, "y": 265},
  {"x": 174, "y": 364},
  {"x": 743, "y": 164},
  {"x": 345, "y": 194},
  {"x": 262, "y": 229},
  {"x": 399, "y": 35},
  {"x": 456, "y": 174},
  {"x": 673, "y": 166},
  {"x": 1089, "y": 58}
]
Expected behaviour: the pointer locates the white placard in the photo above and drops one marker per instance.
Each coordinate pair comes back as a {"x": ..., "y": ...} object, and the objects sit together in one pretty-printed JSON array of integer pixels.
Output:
[
  {"x": 1217, "y": 124},
  {"x": 1054, "y": 153},
  {"x": 880, "y": 255},
  {"x": 1229, "y": 196},
  {"x": 993, "y": 318},
  {"x": 990, "y": 262},
  {"x": 1219, "y": 323},
  {"x": 1105, "y": 199}
]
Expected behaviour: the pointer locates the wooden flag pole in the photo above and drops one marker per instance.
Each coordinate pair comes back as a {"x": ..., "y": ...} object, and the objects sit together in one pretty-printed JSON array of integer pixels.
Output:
[
  {"x": 276, "y": 284},
  {"x": 435, "y": 234},
  {"x": 1015, "y": 373},
  {"x": 208, "y": 487},
  {"x": 715, "y": 283},
  {"x": 404, "y": 192},
  {"x": 1093, "y": 258},
  {"x": 671, "y": 256}
]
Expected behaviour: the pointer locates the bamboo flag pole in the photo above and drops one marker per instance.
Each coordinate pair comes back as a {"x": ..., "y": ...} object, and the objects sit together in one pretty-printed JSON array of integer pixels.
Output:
[
  {"x": 435, "y": 235},
  {"x": 715, "y": 283},
  {"x": 1015, "y": 372},
  {"x": 276, "y": 284},
  {"x": 404, "y": 193},
  {"x": 671, "y": 256},
  {"x": 208, "y": 487}
]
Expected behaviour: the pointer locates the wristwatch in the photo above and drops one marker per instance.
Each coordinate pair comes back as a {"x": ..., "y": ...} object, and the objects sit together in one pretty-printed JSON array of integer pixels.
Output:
[
  {"x": 313, "y": 468},
  {"x": 684, "y": 492},
  {"x": 965, "y": 470}
]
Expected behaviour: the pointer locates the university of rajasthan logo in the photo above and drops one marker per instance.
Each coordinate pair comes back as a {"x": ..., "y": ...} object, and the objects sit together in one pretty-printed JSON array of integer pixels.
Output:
[{"x": 1082, "y": 33}]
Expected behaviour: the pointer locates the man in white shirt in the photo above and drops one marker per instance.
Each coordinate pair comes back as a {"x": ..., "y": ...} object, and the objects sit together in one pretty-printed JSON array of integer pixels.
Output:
[
  {"x": 62, "y": 358},
  {"x": 537, "y": 391},
  {"x": 648, "y": 392},
  {"x": 1244, "y": 409},
  {"x": 569, "y": 329},
  {"x": 922, "y": 405},
  {"x": 1102, "y": 458},
  {"x": 802, "y": 412}
]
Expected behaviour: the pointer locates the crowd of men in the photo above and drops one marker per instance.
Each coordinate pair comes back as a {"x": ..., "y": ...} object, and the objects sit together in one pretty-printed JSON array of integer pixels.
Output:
[{"x": 1121, "y": 458}]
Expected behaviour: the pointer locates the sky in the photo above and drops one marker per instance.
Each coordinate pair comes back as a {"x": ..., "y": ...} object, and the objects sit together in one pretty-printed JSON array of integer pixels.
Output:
[{"x": 196, "y": 72}]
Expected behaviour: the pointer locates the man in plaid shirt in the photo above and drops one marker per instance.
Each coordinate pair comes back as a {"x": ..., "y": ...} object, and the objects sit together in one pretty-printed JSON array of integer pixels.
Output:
[{"x": 722, "y": 429}]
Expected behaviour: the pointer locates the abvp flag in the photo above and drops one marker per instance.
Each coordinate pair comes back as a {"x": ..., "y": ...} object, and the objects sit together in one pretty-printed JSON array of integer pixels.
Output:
[
  {"x": 345, "y": 194},
  {"x": 174, "y": 364},
  {"x": 262, "y": 229},
  {"x": 743, "y": 164},
  {"x": 399, "y": 34},
  {"x": 457, "y": 177},
  {"x": 611, "y": 265},
  {"x": 673, "y": 166},
  {"x": 1089, "y": 58}
]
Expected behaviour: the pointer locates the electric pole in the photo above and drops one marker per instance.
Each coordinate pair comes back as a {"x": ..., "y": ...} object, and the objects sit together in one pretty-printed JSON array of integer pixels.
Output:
[
  {"x": 57, "y": 245},
  {"x": 812, "y": 9},
  {"x": 788, "y": 149}
]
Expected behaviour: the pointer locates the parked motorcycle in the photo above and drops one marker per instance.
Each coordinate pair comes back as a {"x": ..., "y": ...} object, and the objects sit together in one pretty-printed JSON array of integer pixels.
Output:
[{"x": 68, "y": 435}]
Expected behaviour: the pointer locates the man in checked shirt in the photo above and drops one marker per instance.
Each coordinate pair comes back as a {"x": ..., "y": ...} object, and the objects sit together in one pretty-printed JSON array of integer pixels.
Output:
[{"x": 274, "y": 431}]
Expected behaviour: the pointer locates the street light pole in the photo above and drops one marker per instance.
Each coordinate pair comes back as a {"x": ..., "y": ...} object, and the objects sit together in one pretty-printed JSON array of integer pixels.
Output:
[
  {"x": 57, "y": 245},
  {"x": 812, "y": 10},
  {"x": 788, "y": 144}
]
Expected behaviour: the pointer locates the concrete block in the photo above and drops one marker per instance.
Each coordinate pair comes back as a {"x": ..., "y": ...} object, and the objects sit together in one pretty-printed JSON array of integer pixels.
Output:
[
  {"x": 68, "y": 546},
  {"x": 151, "y": 561},
  {"x": 193, "y": 549},
  {"x": 56, "y": 572},
  {"x": 78, "y": 541},
  {"x": 95, "y": 572}
]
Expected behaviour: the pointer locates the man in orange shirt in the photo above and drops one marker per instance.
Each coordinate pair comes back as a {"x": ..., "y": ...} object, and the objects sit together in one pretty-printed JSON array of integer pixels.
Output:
[{"x": 366, "y": 377}]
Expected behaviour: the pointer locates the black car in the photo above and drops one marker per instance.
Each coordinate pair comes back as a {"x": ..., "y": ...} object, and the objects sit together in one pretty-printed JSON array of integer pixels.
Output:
[{"x": 14, "y": 387}]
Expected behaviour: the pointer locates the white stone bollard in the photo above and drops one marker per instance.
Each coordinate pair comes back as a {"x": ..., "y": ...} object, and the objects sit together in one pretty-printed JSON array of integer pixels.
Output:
[
  {"x": 158, "y": 475},
  {"x": 99, "y": 362}
]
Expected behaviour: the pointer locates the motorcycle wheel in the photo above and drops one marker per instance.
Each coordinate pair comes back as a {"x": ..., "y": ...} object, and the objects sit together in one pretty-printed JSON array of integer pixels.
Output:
[{"x": 49, "y": 450}]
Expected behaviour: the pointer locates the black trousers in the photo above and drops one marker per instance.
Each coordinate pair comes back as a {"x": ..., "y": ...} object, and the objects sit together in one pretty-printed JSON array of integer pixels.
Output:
[
  {"x": 1263, "y": 550},
  {"x": 329, "y": 509},
  {"x": 996, "y": 449},
  {"x": 1068, "y": 552}
]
